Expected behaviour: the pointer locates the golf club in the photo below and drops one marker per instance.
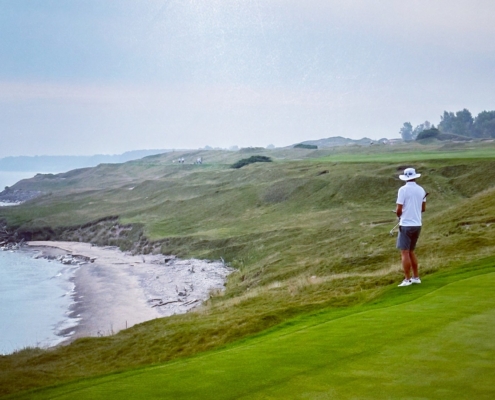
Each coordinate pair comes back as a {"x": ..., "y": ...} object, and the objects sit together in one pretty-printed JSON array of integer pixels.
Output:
[{"x": 392, "y": 230}]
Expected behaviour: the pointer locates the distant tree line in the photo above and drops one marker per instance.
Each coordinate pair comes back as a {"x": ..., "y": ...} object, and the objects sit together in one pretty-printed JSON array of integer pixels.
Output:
[{"x": 460, "y": 124}]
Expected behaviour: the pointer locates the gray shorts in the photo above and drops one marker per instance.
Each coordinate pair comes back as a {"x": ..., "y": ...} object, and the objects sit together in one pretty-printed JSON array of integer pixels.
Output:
[{"x": 408, "y": 237}]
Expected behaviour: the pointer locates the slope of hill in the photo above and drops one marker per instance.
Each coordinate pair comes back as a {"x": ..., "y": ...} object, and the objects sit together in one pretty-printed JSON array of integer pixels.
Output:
[
  {"x": 338, "y": 141},
  {"x": 307, "y": 233}
]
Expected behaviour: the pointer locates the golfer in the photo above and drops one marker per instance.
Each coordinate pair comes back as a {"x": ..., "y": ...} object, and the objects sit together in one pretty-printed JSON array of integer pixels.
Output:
[{"x": 411, "y": 202}]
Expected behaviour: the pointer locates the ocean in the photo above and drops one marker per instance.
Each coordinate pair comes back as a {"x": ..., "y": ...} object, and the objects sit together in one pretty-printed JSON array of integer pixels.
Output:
[
  {"x": 35, "y": 294},
  {"x": 35, "y": 301},
  {"x": 9, "y": 178}
]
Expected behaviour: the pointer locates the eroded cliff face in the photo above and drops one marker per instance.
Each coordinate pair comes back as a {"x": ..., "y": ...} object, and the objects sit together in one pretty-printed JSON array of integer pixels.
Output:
[
  {"x": 17, "y": 196},
  {"x": 104, "y": 232}
]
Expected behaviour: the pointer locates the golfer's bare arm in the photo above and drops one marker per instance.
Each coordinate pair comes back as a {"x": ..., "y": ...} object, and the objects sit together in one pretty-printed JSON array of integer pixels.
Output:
[{"x": 398, "y": 210}]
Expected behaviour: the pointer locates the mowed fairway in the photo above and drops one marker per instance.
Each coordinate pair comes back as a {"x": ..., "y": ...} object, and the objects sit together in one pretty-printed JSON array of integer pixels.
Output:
[{"x": 428, "y": 341}]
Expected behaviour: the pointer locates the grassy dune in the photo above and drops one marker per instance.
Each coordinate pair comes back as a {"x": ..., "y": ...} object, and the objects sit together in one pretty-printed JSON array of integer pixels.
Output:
[{"x": 308, "y": 233}]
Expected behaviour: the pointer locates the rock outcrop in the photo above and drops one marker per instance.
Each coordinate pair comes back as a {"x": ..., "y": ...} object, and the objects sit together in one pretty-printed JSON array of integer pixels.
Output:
[{"x": 18, "y": 195}]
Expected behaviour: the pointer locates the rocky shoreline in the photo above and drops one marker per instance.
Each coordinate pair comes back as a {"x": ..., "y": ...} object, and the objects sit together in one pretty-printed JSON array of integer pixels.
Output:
[
  {"x": 6, "y": 246},
  {"x": 17, "y": 196}
]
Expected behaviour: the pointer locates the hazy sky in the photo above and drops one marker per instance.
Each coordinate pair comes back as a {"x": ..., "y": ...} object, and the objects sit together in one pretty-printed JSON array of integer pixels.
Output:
[{"x": 102, "y": 76}]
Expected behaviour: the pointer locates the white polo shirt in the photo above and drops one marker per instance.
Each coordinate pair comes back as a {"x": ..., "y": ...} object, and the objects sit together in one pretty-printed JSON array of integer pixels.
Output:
[{"x": 411, "y": 196}]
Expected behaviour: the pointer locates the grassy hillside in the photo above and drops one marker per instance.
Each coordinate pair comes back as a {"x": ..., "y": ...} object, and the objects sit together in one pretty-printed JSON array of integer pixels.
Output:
[
  {"x": 408, "y": 344},
  {"x": 306, "y": 232}
]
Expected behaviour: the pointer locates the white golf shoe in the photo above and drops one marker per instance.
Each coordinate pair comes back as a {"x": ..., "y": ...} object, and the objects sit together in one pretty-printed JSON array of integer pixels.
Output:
[
  {"x": 415, "y": 280},
  {"x": 405, "y": 282}
]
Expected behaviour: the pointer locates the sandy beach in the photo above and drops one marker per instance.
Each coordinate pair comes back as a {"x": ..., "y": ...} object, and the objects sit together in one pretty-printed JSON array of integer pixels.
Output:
[{"x": 115, "y": 290}]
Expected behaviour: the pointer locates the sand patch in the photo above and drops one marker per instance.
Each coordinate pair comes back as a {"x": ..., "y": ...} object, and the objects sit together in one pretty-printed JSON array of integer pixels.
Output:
[{"x": 115, "y": 290}]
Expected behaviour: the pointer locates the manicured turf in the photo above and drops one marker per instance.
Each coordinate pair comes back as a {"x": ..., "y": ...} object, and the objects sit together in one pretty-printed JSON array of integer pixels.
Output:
[
  {"x": 427, "y": 154},
  {"x": 428, "y": 341}
]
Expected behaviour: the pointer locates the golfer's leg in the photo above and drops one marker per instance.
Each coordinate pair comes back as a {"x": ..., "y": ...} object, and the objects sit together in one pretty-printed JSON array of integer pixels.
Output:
[
  {"x": 414, "y": 264},
  {"x": 406, "y": 263}
]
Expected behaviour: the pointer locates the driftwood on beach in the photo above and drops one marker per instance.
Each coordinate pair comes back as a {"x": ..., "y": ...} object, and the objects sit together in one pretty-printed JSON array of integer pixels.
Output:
[
  {"x": 5, "y": 234},
  {"x": 8, "y": 244}
]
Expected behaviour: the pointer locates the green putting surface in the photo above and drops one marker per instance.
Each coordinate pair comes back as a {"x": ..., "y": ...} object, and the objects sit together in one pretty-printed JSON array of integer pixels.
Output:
[{"x": 437, "y": 346}]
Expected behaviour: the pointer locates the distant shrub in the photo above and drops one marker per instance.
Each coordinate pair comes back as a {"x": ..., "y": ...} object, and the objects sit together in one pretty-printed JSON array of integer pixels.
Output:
[
  {"x": 251, "y": 149},
  {"x": 428, "y": 133},
  {"x": 250, "y": 160},
  {"x": 306, "y": 146}
]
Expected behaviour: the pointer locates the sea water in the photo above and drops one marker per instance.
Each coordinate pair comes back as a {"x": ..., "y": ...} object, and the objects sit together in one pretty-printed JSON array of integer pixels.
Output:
[
  {"x": 9, "y": 178},
  {"x": 35, "y": 301}
]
